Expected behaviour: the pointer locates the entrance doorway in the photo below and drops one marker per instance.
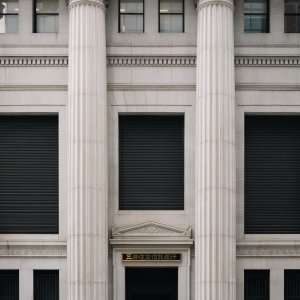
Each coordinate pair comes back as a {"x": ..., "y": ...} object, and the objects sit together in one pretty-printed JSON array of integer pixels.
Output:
[{"x": 152, "y": 283}]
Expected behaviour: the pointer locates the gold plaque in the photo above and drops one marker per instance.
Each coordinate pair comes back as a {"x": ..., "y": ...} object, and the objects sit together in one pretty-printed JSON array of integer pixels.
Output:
[{"x": 128, "y": 257}]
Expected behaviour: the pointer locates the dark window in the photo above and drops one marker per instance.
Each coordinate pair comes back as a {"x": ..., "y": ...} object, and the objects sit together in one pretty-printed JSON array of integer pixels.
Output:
[
  {"x": 292, "y": 16},
  {"x": 151, "y": 164},
  {"x": 272, "y": 174},
  {"x": 28, "y": 174},
  {"x": 9, "y": 16},
  {"x": 256, "y": 16},
  {"x": 46, "y": 285},
  {"x": 291, "y": 284},
  {"x": 171, "y": 15},
  {"x": 131, "y": 16},
  {"x": 9, "y": 284},
  {"x": 257, "y": 284},
  {"x": 46, "y": 16},
  {"x": 151, "y": 283}
]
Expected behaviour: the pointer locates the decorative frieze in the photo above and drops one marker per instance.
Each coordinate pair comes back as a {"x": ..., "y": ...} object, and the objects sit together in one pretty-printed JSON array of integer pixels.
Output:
[
  {"x": 33, "y": 251},
  {"x": 267, "y": 61},
  {"x": 159, "y": 61},
  {"x": 150, "y": 61},
  {"x": 268, "y": 251},
  {"x": 33, "y": 61}
]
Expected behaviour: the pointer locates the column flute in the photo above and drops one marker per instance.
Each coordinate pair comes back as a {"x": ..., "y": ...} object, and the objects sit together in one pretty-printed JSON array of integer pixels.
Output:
[
  {"x": 87, "y": 205},
  {"x": 215, "y": 153}
]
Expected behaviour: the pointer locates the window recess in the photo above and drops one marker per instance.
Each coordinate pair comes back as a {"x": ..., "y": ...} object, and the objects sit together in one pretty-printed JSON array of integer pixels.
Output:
[
  {"x": 171, "y": 15},
  {"x": 256, "y": 16},
  {"x": 292, "y": 16},
  {"x": 46, "y": 16},
  {"x": 9, "y": 16},
  {"x": 131, "y": 16}
]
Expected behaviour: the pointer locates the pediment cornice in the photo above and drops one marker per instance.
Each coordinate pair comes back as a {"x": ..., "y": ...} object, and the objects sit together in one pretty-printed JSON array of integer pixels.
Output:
[{"x": 151, "y": 233}]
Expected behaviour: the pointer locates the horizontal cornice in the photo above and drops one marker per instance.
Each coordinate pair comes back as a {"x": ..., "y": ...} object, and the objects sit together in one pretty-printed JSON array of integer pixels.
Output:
[{"x": 150, "y": 61}]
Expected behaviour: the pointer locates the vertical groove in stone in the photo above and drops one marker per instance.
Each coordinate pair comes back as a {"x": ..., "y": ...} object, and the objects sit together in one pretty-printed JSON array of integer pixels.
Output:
[
  {"x": 87, "y": 206},
  {"x": 215, "y": 153}
]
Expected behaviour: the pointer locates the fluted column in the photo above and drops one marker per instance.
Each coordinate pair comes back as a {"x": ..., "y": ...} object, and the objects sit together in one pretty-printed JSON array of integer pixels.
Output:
[
  {"x": 215, "y": 153},
  {"x": 87, "y": 206}
]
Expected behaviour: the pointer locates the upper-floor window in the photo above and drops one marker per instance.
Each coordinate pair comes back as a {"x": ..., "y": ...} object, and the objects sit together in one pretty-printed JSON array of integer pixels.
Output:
[
  {"x": 151, "y": 162},
  {"x": 256, "y": 16},
  {"x": 9, "y": 16},
  {"x": 28, "y": 175},
  {"x": 272, "y": 174},
  {"x": 46, "y": 15},
  {"x": 292, "y": 16},
  {"x": 171, "y": 15},
  {"x": 131, "y": 16}
]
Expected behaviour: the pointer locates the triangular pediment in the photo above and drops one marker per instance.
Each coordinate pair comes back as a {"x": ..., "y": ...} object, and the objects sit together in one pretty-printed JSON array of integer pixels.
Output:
[{"x": 151, "y": 229}]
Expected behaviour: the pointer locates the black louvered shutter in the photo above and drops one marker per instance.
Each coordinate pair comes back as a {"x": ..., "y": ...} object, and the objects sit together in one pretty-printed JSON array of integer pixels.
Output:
[
  {"x": 151, "y": 162},
  {"x": 46, "y": 285},
  {"x": 256, "y": 284},
  {"x": 9, "y": 284},
  {"x": 291, "y": 284},
  {"x": 28, "y": 174},
  {"x": 272, "y": 174}
]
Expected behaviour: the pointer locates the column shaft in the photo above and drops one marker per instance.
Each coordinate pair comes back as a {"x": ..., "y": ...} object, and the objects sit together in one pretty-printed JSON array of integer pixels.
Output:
[
  {"x": 87, "y": 206},
  {"x": 215, "y": 153}
]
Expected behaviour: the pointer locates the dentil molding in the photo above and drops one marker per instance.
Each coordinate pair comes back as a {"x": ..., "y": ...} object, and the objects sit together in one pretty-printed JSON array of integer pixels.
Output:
[{"x": 149, "y": 61}]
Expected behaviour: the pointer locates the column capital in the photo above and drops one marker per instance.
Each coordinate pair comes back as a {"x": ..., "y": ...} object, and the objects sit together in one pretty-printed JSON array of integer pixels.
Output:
[
  {"x": 201, "y": 3},
  {"x": 101, "y": 3}
]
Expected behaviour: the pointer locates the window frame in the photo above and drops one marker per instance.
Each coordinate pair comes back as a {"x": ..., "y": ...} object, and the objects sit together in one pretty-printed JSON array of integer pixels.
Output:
[
  {"x": 11, "y": 14},
  {"x": 267, "y": 14},
  {"x": 130, "y": 14},
  {"x": 172, "y": 14},
  {"x": 290, "y": 15},
  {"x": 35, "y": 14}
]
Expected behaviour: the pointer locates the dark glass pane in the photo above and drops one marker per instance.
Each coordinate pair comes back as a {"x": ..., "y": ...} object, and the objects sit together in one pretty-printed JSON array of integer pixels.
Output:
[
  {"x": 255, "y": 6},
  {"x": 47, "y": 23},
  {"x": 292, "y": 24},
  {"x": 131, "y": 23},
  {"x": 291, "y": 284},
  {"x": 131, "y": 6},
  {"x": 47, "y": 6},
  {"x": 46, "y": 285},
  {"x": 255, "y": 24},
  {"x": 9, "y": 24},
  {"x": 257, "y": 285},
  {"x": 171, "y": 6},
  {"x": 9, "y": 284},
  {"x": 171, "y": 23},
  {"x": 292, "y": 6},
  {"x": 151, "y": 283},
  {"x": 9, "y": 7}
]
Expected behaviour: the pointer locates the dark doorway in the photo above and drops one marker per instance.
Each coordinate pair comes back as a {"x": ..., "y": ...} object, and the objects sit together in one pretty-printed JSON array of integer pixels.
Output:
[{"x": 151, "y": 283}]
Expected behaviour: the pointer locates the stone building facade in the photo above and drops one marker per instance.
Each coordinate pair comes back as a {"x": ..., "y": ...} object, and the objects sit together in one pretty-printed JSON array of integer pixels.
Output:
[{"x": 88, "y": 74}]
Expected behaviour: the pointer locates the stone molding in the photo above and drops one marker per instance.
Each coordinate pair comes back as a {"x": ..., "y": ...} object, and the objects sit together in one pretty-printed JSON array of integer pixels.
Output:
[
  {"x": 151, "y": 233},
  {"x": 151, "y": 229},
  {"x": 157, "y": 61},
  {"x": 268, "y": 61},
  {"x": 33, "y": 251},
  {"x": 33, "y": 61},
  {"x": 149, "y": 61},
  {"x": 268, "y": 251}
]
